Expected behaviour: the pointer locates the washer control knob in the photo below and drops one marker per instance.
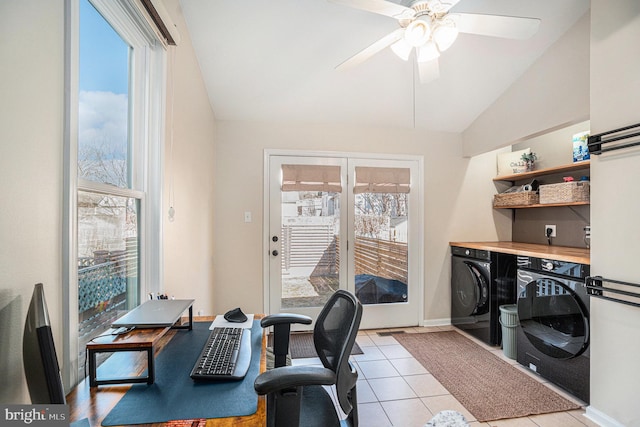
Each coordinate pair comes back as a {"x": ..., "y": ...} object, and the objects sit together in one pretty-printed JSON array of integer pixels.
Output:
[
  {"x": 467, "y": 252},
  {"x": 548, "y": 266}
]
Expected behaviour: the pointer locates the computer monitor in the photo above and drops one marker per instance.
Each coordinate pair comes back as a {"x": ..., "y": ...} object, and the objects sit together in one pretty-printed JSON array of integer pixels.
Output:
[{"x": 39, "y": 354}]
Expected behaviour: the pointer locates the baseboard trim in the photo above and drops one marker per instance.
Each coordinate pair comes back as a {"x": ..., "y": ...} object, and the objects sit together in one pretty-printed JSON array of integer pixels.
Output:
[
  {"x": 436, "y": 322},
  {"x": 601, "y": 418}
]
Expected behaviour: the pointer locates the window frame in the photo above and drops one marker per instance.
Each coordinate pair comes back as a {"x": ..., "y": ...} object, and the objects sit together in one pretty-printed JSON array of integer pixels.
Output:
[{"x": 147, "y": 94}]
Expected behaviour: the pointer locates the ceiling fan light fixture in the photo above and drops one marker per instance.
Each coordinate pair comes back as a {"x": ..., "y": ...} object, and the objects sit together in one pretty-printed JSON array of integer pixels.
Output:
[
  {"x": 417, "y": 33},
  {"x": 428, "y": 52},
  {"x": 444, "y": 35},
  {"x": 402, "y": 49}
]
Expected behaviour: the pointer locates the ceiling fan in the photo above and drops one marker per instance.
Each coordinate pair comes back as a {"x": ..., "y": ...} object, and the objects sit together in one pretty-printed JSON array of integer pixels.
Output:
[{"x": 429, "y": 27}]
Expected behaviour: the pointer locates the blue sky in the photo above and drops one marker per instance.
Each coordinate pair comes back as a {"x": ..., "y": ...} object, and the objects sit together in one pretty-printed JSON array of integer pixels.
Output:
[
  {"x": 103, "y": 100},
  {"x": 104, "y": 56}
]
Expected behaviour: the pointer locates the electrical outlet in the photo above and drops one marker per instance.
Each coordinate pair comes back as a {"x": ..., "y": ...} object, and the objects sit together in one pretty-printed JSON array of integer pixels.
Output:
[
  {"x": 587, "y": 235},
  {"x": 552, "y": 228}
]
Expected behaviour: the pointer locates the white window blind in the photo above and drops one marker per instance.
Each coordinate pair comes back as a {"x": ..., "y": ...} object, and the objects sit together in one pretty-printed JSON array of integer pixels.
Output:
[
  {"x": 382, "y": 180},
  {"x": 311, "y": 178}
]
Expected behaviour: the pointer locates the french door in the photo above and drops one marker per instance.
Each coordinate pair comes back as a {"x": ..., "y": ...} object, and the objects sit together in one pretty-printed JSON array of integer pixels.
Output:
[{"x": 344, "y": 222}]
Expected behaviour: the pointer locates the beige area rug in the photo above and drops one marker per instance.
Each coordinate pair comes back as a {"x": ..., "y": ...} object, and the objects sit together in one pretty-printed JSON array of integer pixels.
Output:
[
  {"x": 301, "y": 345},
  {"x": 489, "y": 387}
]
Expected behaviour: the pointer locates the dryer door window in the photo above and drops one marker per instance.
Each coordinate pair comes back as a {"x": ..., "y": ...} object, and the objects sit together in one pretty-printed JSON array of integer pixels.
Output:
[
  {"x": 471, "y": 291},
  {"x": 553, "y": 318}
]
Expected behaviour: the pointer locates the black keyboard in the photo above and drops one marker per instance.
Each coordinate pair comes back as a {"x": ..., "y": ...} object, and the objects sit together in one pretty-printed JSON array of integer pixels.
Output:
[{"x": 225, "y": 356}]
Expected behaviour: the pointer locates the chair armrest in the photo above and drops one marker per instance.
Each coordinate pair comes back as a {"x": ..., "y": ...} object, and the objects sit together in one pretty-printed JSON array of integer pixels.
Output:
[
  {"x": 281, "y": 323},
  {"x": 280, "y": 318},
  {"x": 293, "y": 376}
]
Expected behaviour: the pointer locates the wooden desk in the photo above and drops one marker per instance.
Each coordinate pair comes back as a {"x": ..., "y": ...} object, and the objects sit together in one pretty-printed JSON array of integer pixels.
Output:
[{"x": 95, "y": 403}]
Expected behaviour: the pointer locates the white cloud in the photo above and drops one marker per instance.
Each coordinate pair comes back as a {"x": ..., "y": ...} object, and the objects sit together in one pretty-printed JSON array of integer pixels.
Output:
[{"x": 103, "y": 120}]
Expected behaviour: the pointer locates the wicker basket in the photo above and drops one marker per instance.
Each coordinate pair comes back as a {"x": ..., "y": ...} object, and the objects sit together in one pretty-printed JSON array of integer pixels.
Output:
[
  {"x": 565, "y": 192},
  {"x": 520, "y": 198}
]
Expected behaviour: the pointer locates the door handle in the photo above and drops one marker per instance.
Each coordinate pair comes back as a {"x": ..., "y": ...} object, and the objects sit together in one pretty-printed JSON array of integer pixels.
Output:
[{"x": 274, "y": 252}]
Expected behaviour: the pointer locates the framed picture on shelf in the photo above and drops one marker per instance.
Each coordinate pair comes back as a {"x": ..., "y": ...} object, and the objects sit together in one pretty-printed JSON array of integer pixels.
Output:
[{"x": 510, "y": 163}]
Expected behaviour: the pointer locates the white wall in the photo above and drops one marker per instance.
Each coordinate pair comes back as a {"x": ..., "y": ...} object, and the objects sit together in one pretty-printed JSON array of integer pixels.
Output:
[
  {"x": 31, "y": 129},
  {"x": 189, "y": 168},
  {"x": 474, "y": 199},
  {"x": 553, "y": 93},
  {"x": 615, "y": 210},
  {"x": 554, "y": 148},
  {"x": 239, "y": 188}
]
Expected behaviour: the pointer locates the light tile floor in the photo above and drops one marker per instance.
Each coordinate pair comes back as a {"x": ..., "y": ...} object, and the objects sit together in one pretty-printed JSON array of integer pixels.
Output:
[{"x": 394, "y": 389}]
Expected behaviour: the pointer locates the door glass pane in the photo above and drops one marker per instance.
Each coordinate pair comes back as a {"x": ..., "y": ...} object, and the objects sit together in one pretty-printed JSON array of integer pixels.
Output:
[
  {"x": 309, "y": 248},
  {"x": 381, "y": 251},
  {"x": 103, "y": 116}
]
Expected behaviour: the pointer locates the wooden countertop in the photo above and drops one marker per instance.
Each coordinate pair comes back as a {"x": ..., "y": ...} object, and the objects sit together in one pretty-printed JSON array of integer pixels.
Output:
[{"x": 560, "y": 253}]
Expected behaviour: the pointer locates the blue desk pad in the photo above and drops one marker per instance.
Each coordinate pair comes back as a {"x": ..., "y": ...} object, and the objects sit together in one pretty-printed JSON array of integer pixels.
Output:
[{"x": 175, "y": 396}]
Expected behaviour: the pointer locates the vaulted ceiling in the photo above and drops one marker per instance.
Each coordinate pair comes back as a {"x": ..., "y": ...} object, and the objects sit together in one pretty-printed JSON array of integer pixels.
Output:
[{"x": 274, "y": 61}]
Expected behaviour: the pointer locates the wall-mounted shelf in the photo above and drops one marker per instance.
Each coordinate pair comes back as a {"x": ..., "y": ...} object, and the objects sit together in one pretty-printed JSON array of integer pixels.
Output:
[
  {"x": 585, "y": 165},
  {"x": 546, "y": 171},
  {"x": 546, "y": 205}
]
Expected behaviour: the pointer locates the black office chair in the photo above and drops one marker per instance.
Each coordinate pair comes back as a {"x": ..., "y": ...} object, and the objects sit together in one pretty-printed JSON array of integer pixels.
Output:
[{"x": 295, "y": 396}]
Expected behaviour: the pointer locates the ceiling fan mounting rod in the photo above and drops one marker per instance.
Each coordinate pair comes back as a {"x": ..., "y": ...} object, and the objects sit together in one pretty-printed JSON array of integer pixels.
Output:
[
  {"x": 434, "y": 10},
  {"x": 431, "y": 7}
]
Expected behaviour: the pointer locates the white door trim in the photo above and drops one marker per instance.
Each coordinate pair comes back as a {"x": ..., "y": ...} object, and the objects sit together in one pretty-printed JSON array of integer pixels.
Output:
[{"x": 419, "y": 191}]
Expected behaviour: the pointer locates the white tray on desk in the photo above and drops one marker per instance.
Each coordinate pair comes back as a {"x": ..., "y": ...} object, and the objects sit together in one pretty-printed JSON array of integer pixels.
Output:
[{"x": 221, "y": 322}]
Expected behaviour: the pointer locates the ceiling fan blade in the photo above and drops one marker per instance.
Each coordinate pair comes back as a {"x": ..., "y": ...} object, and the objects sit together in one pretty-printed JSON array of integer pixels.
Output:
[
  {"x": 510, "y": 27},
  {"x": 428, "y": 71},
  {"x": 381, "y": 7},
  {"x": 368, "y": 52}
]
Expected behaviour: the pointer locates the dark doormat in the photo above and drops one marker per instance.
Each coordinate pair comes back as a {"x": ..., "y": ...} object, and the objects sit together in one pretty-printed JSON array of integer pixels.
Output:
[{"x": 301, "y": 345}]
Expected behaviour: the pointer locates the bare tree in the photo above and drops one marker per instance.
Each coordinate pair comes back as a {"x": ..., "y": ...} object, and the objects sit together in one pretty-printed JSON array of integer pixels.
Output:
[
  {"x": 103, "y": 161},
  {"x": 373, "y": 212}
]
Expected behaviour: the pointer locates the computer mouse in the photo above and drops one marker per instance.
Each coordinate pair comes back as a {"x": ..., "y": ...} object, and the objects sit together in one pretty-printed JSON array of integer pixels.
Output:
[{"x": 236, "y": 315}]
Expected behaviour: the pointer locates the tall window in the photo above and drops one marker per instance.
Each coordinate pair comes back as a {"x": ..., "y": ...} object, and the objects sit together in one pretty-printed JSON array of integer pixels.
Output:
[
  {"x": 108, "y": 203},
  {"x": 114, "y": 167}
]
